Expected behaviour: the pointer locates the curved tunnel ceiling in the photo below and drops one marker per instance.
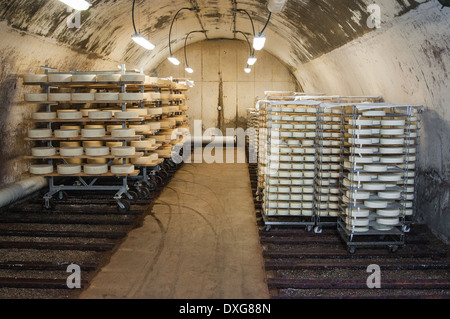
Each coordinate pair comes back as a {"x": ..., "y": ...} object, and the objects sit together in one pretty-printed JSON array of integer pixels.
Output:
[{"x": 305, "y": 30}]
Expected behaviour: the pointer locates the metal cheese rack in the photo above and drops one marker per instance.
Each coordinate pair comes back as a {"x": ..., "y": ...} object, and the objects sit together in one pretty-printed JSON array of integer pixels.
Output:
[
  {"x": 357, "y": 223},
  {"x": 85, "y": 182},
  {"x": 281, "y": 205}
]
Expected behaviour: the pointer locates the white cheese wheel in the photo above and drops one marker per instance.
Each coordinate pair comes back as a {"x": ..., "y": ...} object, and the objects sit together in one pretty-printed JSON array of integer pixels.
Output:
[
  {"x": 122, "y": 169},
  {"x": 154, "y": 156},
  {"x": 59, "y": 97},
  {"x": 85, "y": 112},
  {"x": 97, "y": 151},
  {"x": 155, "y": 95},
  {"x": 106, "y": 96},
  {"x": 43, "y": 116},
  {"x": 43, "y": 151},
  {"x": 39, "y": 133},
  {"x": 34, "y": 78},
  {"x": 361, "y": 212},
  {"x": 39, "y": 169},
  {"x": 375, "y": 204},
  {"x": 92, "y": 144},
  {"x": 123, "y": 151},
  {"x": 393, "y": 122},
  {"x": 151, "y": 80},
  {"x": 93, "y": 169},
  {"x": 375, "y": 168},
  {"x": 374, "y": 186},
  {"x": 69, "y": 114},
  {"x": 131, "y": 96},
  {"x": 84, "y": 78},
  {"x": 392, "y": 159},
  {"x": 357, "y": 229},
  {"x": 123, "y": 132},
  {"x": 392, "y": 131},
  {"x": 69, "y": 169},
  {"x": 357, "y": 221},
  {"x": 141, "y": 112},
  {"x": 36, "y": 97},
  {"x": 71, "y": 151},
  {"x": 389, "y": 194},
  {"x": 391, "y": 150},
  {"x": 59, "y": 77},
  {"x": 133, "y": 78},
  {"x": 83, "y": 96},
  {"x": 143, "y": 160},
  {"x": 100, "y": 115},
  {"x": 390, "y": 178},
  {"x": 126, "y": 115},
  {"x": 374, "y": 113},
  {"x": 142, "y": 144},
  {"x": 358, "y": 195},
  {"x": 388, "y": 221},
  {"x": 392, "y": 141},
  {"x": 66, "y": 133},
  {"x": 388, "y": 212},
  {"x": 93, "y": 132},
  {"x": 108, "y": 77}
]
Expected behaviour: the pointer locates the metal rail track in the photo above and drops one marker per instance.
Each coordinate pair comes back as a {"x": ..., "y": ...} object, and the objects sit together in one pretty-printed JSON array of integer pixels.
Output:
[
  {"x": 301, "y": 264},
  {"x": 82, "y": 229}
]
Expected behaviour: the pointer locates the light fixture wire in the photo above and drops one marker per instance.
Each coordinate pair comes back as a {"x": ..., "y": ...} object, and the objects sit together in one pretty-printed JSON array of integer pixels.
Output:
[{"x": 185, "y": 45}]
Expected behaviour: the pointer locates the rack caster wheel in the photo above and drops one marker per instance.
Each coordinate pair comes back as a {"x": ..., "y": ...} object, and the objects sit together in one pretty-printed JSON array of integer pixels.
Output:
[
  {"x": 267, "y": 228},
  {"x": 144, "y": 193},
  {"x": 48, "y": 205},
  {"x": 351, "y": 250},
  {"x": 132, "y": 197},
  {"x": 318, "y": 230},
  {"x": 151, "y": 185},
  {"x": 123, "y": 206},
  {"x": 406, "y": 228},
  {"x": 309, "y": 228}
]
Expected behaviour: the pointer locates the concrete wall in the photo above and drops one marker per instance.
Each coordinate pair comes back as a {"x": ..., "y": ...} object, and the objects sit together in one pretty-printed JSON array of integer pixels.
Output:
[
  {"x": 220, "y": 80},
  {"x": 22, "y": 53},
  {"x": 407, "y": 61}
]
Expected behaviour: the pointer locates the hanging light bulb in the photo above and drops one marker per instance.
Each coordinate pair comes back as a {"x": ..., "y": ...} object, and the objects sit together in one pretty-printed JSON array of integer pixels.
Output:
[
  {"x": 247, "y": 69},
  {"x": 79, "y": 5},
  {"x": 189, "y": 70},
  {"x": 251, "y": 60},
  {"x": 143, "y": 42},
  {"x": 259, "y": 41},
  {"x": 173, "y": 60}
]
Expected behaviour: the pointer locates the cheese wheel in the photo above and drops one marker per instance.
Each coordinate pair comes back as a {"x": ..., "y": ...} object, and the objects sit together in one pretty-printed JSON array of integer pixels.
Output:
[
  {"x": 374, "y": 113},
  {"x": 69, "y": 114},
  {"x": 59, "y": 77},
  {"x": 106, "y": 96},
  {"x": 93, "y": 169},
  {"x": 357, "y": 221},
  {"x": 83, "y": 96},
  {"x": 126, "y": 115},
  {"x": 141, "y": 112},
  {"x": 154, "y": 111},
  {"x": 34, "y": 78},
  {"x": 154, "y": 156},
  {"x": 143, "y": 160},
  {"x": 114, "y": 144},
  {"x": 133, "y": 78},
  {"x": 97, "y": 151},
  {"x": 92, "y": 144},
  {"x": 69, "y": 144},
  {"x": 123, "y": 151},
  {"x": 93, "y": 132},
  {"x": 71, "y": 151},
  {"x": 59, "y": 97},
  {"x": 39, "y": 169},
  {"x": 40, "y": 133},
  {"x": 123, "y": 132},
  {"x": 84, "y": 78},
  {"x": 85, "y": 112},
  {"x": 66, "y": 133},
  {"x": 103, "y": 115},
  {"x": 154, "y": 125},
  {"x": 393, "y": 122},
  {"x": 69, "y": 169},
  {"x": 387, "y": 221},
  {"x": 122, "y": 169},
  {"x": 71, "y": 127},
  {"x": 43, "y": 116},
  {"x": 94, "y": 126},
  {"x": 142, "y": 144},
  {"x": 375, "y": 204},
  {"x": 155, "y": 95},
  {"x": 131, "y": 96},
  {"x": 151, "y": 80},
  {"x": 36, "y": 97},
  {"x": 392, "y": 141},
  {"x": 108, "y": 77},
  {"x": 388, "y": 212},
  {"x": 392, "y": 131},
  {"x": 74, "y": 160},
  {"x": 43, "y": 151},
  {"x": 389, "y": 194}
]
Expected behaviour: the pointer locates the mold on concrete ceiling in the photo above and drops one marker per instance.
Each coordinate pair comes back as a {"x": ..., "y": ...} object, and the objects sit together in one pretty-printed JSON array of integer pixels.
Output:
[{"x": 305, "y": 30}]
